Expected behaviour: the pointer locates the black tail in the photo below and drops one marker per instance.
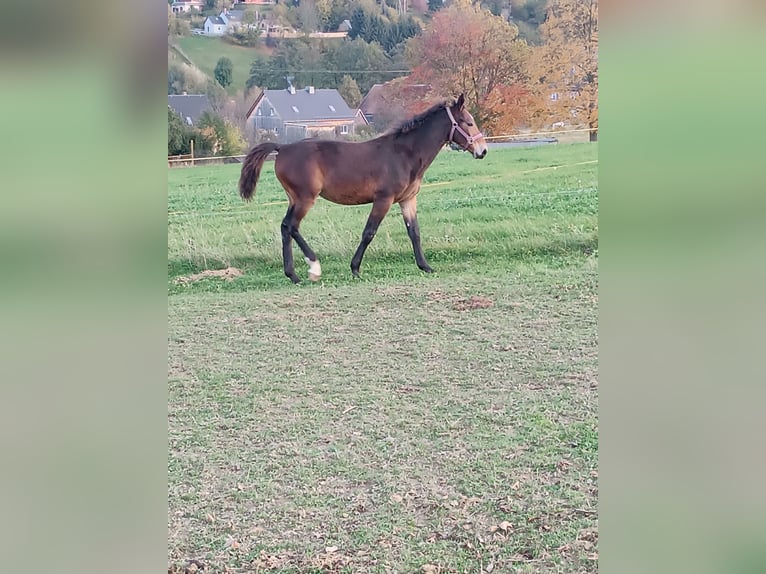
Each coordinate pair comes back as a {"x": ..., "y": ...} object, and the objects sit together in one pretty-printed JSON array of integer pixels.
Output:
[{"x": 251, "y": 168}]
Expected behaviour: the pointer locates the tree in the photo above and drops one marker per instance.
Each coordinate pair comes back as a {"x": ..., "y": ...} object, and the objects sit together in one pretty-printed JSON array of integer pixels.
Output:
[
  {"x": 184, "y": 78},
  {"x": 219, "y": 136},
  {"x": 264, "y": 73},
  {"x": 349, "y": 91},
  {"x": 178, "y": 26},
  {"x": 309, "y": 16},
  {"x": 567, "y": 62},
  {"x": 223, "y": 71},
  {"x": 249, "y": 17},
  {"x": 467, "y": 49},
  {"x": 176, "y": 134},
  {"x": 359, "y": 55},
  {"x": 434, "y": 5},
  {"x": 339, "y": 11}
]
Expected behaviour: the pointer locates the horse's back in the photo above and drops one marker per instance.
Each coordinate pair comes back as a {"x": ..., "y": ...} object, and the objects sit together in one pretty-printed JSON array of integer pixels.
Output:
[{"x": 343, "y": 172}]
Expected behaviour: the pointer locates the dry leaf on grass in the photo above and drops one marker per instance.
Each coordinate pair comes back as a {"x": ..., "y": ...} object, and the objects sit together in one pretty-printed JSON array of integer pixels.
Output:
[{"x": 505, "y": 526}]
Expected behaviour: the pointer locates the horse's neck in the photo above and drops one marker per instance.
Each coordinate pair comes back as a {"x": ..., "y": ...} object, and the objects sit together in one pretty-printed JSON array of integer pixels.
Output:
[{"x": 427, "y": 140}]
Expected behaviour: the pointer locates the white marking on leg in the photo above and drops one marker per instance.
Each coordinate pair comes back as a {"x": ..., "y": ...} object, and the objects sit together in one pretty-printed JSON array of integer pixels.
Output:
[{"x": 315, "y": 269}]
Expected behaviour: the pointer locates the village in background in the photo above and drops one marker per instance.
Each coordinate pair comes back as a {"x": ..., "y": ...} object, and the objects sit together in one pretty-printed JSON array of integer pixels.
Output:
[{"x": 243, "y": 72}]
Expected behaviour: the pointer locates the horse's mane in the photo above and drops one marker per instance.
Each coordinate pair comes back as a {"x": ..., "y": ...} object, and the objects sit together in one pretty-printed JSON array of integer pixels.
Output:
[{"x": 412, "y": 123}]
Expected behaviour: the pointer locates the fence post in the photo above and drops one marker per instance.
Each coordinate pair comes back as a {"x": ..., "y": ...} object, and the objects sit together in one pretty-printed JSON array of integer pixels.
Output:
[{"x": 191, "y": 143}]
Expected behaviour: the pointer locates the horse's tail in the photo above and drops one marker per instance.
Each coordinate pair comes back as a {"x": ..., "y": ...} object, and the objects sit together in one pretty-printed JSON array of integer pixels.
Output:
[{"x": 251, "y": 168}]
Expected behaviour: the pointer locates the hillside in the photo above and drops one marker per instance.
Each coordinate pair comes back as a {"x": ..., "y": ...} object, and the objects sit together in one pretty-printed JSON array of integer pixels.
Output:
[{"x": 204, "y": 53}]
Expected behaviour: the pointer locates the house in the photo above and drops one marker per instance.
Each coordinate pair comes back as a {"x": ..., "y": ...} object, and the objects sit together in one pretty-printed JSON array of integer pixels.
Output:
[
  {"x": 388, "y": 104},
  {"x": 232, "y": 18},
  {"x": 271, "y": 27},
  {"x": 344, "y": 26},
  {"x": 189, "y": 107},
  {"x": 215, "y": 26},
  {"x": 184, "y": 6},
  {"x": 227, "y": 21},
  {"x": 245, "y": 3},
  {"x": 290, "y": 114}
]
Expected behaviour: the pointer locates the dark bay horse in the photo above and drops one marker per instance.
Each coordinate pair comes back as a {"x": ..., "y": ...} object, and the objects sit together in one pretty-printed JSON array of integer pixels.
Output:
[{"x": 382, "y": 171}]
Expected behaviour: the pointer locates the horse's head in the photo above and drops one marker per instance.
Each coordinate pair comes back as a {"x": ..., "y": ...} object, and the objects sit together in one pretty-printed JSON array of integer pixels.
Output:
[{"x": 464, "y": 131}]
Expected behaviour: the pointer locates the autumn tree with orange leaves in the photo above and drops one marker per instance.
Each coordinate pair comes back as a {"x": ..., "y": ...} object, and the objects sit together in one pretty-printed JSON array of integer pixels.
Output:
[
  {"x": 567, "y": 62},
  {"x": 468, "y": 50}
]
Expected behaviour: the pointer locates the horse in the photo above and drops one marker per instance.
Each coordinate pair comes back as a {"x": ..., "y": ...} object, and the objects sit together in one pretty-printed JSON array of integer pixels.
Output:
[{"x": 381, "y": 171}]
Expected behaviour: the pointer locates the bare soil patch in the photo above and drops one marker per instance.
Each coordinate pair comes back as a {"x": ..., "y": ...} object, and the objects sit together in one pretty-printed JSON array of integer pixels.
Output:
[{"x": 228, "y": 274}]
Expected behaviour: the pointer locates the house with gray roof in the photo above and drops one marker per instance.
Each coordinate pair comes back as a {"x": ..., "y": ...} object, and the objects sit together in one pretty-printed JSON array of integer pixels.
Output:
[
  {"x": 290, "y": 114},
  {"x": 215, "y": 26},
  {"x": 189, "y": 107}
]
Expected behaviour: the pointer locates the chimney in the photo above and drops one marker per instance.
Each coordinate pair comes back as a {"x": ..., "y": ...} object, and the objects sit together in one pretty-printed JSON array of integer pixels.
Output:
[{"x": 310, "y": 89}]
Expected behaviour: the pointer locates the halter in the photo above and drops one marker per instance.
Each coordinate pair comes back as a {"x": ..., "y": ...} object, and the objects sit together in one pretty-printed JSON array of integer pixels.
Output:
[{"x": 455, "y": 127}]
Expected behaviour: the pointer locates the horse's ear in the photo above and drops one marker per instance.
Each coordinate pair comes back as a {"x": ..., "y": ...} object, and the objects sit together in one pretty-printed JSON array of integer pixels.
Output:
[{"x": 460, "y": 102}]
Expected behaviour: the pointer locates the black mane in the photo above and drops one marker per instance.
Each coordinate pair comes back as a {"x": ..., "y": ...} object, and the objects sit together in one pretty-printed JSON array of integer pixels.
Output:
[{"x": 412, "y": 123}]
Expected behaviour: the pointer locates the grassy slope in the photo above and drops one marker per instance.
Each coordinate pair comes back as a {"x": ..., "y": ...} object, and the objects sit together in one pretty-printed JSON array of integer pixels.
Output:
[
  {"x": 405, "y": 419},
  {"x": 205, "y": 52}
]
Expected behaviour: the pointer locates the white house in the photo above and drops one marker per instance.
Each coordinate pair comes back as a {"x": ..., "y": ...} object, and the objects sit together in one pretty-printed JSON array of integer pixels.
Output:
[
  {"x": 214, "y": 26},
  {"x": 182, "y": 6}
]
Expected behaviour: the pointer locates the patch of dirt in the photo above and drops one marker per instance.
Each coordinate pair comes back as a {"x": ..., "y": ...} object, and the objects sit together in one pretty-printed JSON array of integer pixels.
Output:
[
  {"x": 229, "y": 274},
  {"x": 474, "y": 302},
  {"x": 191, "y": 567},
  {"x": 330, "y": 560},
  {"x": 460, "y": 303},
  {"x": 266, "y": 561}
]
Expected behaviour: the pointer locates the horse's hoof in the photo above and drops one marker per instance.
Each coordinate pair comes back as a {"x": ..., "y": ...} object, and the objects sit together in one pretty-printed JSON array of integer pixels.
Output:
[
  {"x": 314, "y": 277},
  {"x": 427, "y": 269},
  {"x": 355, "y": 274}
]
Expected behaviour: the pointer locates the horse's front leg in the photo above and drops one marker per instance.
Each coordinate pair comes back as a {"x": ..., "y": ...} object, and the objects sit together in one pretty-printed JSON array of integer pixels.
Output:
[
  {"x": 410, "y": 215},
  {"x": 380, "y": 208}
]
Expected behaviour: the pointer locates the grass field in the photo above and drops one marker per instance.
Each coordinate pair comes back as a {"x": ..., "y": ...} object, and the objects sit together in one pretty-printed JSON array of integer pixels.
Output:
[
  {"x": 400, "y": 422},
  {"x": 204, "y": 52}
]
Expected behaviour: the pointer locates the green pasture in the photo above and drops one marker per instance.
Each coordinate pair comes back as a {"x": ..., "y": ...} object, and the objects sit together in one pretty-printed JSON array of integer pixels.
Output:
[
  {"x": 205, "y": 51},
  {"x": 403, "y": 421}
]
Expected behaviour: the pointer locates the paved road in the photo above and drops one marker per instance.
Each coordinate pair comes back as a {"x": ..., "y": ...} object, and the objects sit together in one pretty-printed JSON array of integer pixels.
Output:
[{"x": 522, "y": 143}]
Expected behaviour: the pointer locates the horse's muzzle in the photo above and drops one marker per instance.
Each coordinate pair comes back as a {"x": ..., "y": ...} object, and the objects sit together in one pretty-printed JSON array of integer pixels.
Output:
[{"x": 480, "y": 154}]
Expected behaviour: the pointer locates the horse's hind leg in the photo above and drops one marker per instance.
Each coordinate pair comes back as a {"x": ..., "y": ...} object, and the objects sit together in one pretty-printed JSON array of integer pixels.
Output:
[
  {"x": 379, "y": 210},
  {"x": 287, "y": 244},
  {"x": 315, "y": 269},
  {"x": 290, "y": 226},
  {"x": 410, "y": 215}
]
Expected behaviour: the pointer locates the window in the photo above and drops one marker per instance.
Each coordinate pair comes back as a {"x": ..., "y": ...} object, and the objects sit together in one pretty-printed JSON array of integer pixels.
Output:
[
  {"x": 271, "y": 111},
  {"x": 332, "y": 108},
  {"x": 555, "y": 96},
  {"x": 344, "y": 129},
  {"x": 295, "y": 109},
  {"x": 259, "y": 112}
]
